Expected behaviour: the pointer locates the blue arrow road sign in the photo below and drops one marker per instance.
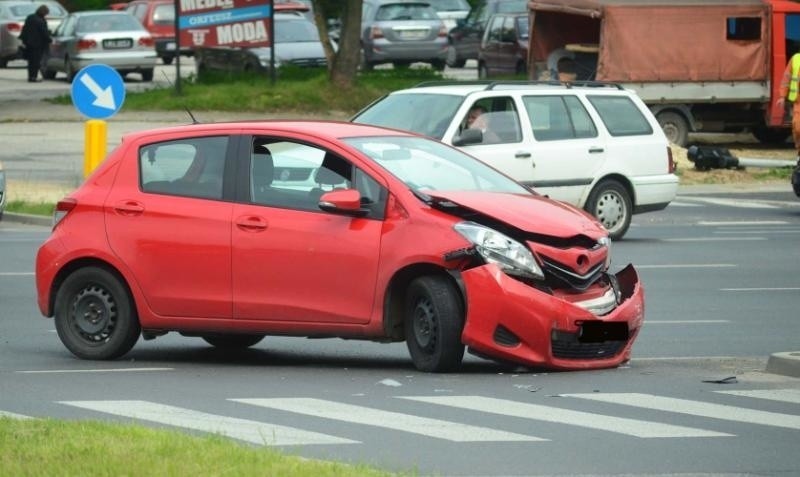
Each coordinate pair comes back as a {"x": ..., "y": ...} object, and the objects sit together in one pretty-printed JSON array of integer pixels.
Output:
[{"x": 98, "y": 91}]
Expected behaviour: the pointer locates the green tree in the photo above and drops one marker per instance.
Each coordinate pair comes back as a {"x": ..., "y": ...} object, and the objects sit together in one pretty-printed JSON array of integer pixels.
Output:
[{"x": 342, "y": 63}]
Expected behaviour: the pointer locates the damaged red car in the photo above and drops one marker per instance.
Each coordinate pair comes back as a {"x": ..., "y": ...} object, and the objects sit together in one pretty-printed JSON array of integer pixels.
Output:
[{"x": 232, "y": 232}]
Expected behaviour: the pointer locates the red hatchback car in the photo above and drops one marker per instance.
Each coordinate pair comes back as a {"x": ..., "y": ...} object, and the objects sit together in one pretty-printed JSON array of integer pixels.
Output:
[{"x": 231, "y": 232}]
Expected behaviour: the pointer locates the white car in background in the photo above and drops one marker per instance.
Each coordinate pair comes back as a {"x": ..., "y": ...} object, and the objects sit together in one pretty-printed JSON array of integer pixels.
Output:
[{"x": 593, "y": 145}]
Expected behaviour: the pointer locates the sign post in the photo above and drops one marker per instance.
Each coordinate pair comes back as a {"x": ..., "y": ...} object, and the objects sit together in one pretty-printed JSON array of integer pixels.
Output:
[{"x": 97, "y": 93}]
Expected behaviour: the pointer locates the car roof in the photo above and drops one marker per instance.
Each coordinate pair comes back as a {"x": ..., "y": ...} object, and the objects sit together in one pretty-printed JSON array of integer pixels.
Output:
[
  {"x": 465, "y": 88},
  {"x": 330, "y": 130}
]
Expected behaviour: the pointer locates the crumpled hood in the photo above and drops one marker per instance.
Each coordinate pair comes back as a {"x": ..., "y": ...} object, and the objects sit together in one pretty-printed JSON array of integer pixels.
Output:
[{"x": 531, "y": 213}]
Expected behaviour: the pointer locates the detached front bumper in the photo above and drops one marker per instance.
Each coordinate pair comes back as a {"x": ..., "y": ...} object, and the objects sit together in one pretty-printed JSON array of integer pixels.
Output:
[{"x": 509, "y": 320}]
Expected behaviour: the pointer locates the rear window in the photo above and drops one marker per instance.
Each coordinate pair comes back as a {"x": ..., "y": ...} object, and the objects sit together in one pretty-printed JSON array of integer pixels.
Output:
[
  {"x": 428, "y": 114},
  {"x": 102, "y": 23},
  {"x": 621, "y": 116},
  {"x": 164, "y": 14},
  {"x": 405, "y": 11}
]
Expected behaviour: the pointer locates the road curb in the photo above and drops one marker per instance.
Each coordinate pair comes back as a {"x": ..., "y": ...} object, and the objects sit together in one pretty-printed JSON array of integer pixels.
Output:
[
  {"x": 785, "y": 363},
  {"x": 28, "y": 219}
]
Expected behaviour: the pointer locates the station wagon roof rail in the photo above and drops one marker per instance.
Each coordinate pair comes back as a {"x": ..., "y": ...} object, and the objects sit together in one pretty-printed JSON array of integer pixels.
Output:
[{"x": 490, "y": 85}]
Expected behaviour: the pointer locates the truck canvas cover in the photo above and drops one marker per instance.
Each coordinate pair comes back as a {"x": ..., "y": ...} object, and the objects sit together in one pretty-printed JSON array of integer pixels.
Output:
[{"x": 657, "y": 40}]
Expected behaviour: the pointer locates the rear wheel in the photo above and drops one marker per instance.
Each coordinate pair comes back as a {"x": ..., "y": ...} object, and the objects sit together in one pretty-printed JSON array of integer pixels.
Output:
[
  {"x": 147, "y": 75},
  {"x": 47, "y": 73},
  {"x": 675, "y": 127},
  {"x": 232, "y": 341},
  {"x": 433, "y": 324},
  {"x": 611, "y": 204},
  {"x": 70, "y": 70},
  {"x": 438, "y": 65},
  {"x": 167, "y": 59},
  {"x": 767, "y": 135},
  {"x": 95, "y": 316},
  {"x": 483, "y": 72}
]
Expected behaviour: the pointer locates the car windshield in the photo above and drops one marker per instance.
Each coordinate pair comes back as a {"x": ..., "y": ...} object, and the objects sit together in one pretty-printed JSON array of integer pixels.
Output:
[
  {"x": 427, "y": 114},
  {"x": 405, "y": 11},
  {"x": 295, "y": 31},
  {"x": 449, "y": 5},
  {"x": 113, "y": 22},
  {"x": 427, "y": 165}
]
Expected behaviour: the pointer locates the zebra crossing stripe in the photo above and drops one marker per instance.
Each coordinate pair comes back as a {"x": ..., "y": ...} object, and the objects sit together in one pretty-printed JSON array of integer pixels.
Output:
[
  {"x": 250, "y": 431},
  {"x": 696, "y": 408},
  {"x": 12, "y": 415},
  {"x": 451, "y": 431},
  {"x": 782, "y": 395},
  {"x": 621, "y": 425}
]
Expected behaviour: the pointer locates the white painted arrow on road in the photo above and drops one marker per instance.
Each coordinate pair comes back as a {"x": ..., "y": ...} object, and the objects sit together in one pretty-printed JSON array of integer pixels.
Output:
[{"x": 104, "y": 97}]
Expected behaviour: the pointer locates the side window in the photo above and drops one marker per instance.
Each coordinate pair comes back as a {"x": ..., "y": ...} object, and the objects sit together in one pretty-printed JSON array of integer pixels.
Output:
[
  {"x": 497, "y": 118},
  {"x": 495, "y": 30},
  {"x": 188, "y": 167},
  {"x": 294, "y": 175},
  {"x": 509, "y": 33},
  {"x": 558, "y": 117},
  {"x": 621, "y": 116}
]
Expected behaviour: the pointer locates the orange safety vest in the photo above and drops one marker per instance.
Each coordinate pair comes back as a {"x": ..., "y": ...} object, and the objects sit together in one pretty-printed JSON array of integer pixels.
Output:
[{"x": 795, "y": 81}]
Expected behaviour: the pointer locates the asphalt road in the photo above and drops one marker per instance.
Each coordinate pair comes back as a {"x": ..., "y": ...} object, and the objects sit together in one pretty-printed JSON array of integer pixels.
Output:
[
  {"x": 722, "y": 294},
  {"x": 719, "y": 270}
]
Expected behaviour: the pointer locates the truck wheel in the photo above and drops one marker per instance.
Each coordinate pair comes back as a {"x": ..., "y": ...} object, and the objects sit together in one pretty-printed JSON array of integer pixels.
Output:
[
  {"x": 433, "y": 324},
  {"x": 611, "y": 204},
  {"x": 675, "y": 127},
  {"x": 766, "y": 135}
]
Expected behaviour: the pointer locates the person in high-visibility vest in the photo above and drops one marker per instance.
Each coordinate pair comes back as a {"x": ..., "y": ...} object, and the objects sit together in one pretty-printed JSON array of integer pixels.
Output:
[{"x": 789, "y": 92}]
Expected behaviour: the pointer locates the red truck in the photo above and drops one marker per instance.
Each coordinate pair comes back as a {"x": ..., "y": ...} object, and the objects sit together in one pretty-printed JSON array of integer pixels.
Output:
[{"x": 701, "y": 65}]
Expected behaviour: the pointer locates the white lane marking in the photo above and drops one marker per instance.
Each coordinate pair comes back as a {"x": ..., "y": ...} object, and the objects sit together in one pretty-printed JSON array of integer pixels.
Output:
[
  {"x": 243, "y": 429},
  {"x": 676, "y": 203},
  {"x": 762, "y": 289},
  {"x": 742, "y": 204},
  {"x": 712, "y": 239},
  {"x": 782, "y": 395},
  {"x": 741, "y": 222},
  {"x": 684, "y": 322},
  {"x": 688, "y": 265},
  {"x": 696, "y": 408},
  {"x": 451, "y": 431},
  {"x": 16, "y": 274},
  {"x": 111, "y": 370},
  {"x": 620, "y": 425},
  {"x": 762, "y": 231},
  {"x": 13, "y": 415}
]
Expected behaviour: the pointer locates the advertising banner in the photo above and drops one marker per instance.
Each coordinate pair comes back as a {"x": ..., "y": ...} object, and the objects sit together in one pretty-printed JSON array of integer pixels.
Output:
[{"x": 234, "y": 23}]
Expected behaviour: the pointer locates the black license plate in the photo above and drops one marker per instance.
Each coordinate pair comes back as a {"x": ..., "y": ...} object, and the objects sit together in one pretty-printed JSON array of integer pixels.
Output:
[
  {"x": 597, "y": 332},
  {"x": 117, "y": 44}
]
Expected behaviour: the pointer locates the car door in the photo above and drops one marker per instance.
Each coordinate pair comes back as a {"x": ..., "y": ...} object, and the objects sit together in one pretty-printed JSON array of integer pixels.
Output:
[
  {"x": 59, "y": 47},
  {"x": 491, "y": 45},
  {"x": 292, "y": 262},
  {"x": 167, "y": 221},
  {"x": 568, "y": 146},
  {"x": 472, "y": 32}
]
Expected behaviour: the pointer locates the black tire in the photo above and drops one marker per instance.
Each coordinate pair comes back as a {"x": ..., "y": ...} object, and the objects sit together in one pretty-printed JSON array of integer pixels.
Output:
[
  {"x": 401, "y": 65},
  {"x": 3, "y": 62},
  {"x": 147, "y": 75},
  {"x": 365, "y": 64},
  {"x": 232, "y": 341},
  {"x": 453, "y": 61},
  {"x": 483, "y": 72},
  {"x": 167, "y": 60},
  {"x": 70, "y": 70},
  {"x": 766, "y": 135},
  {"x": 438, "y": 65},
  {"x": 48, "y": 74},
  {"x": 95, "y": 315},
  {"x": 611, "y": 204},
  {"x": 675, "y": 127},
  {"x": 433, "y": 324}
]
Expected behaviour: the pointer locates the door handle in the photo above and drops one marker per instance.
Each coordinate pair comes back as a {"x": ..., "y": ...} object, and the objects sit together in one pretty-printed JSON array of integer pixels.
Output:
[
  {"x": 595, "y": 150},
  {"x": 522, "y": 155},
  {"x": 129, "y": 208},
  {"x": 251, "y": 223}
]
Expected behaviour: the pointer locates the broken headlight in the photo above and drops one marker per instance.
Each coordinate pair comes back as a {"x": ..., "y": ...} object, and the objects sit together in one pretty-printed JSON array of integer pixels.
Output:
[{"x": 511, "y": 256}]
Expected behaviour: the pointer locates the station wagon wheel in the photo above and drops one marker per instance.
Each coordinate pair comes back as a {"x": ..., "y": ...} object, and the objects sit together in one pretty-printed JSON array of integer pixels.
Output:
[
  {"x": 232, "y": 341},
  {"x": 94, "y": 314},
  {"x": 611, "y": 204},
  {"x": 433, "y": 323}
]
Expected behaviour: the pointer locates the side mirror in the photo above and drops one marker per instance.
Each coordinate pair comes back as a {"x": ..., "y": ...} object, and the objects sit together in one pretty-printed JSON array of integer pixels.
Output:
[
  {"x": 344, "y": 202},
  {"x": 468, "y": 137}
]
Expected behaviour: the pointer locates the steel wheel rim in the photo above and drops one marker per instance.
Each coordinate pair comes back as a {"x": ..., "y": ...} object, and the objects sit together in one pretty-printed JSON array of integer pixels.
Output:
[
  {"x": 610, "y": 210},
  {"x": 425, "y": 325},
  {"x": 94, "y": 315}
]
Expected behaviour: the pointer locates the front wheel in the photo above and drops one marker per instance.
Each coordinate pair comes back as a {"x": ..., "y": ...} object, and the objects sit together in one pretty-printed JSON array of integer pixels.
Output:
[
  {"x": 232, "y": 341},
  {"x": 433, "y": 323},
  {"x": 453, "y": 61},
  {"x": 483, "y": 72},
  {"x": 95, "y": 315},
  {"x": 611, "y": 204},
  {"x": 147, "y": 75}
]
